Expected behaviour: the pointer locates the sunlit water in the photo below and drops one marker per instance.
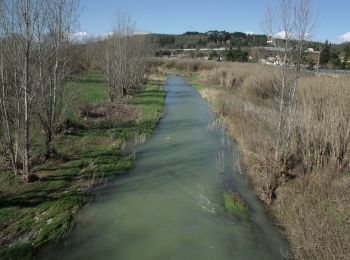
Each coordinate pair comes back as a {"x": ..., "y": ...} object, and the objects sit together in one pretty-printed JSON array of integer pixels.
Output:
[{"x": 170, "y": 205}]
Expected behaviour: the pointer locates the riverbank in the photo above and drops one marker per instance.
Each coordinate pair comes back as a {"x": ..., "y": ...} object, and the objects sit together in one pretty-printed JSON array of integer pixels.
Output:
[
  {"x": 96, "y": 143},
  {"x": 172, "y": 205},
  {"x": 309, "y": 199}
]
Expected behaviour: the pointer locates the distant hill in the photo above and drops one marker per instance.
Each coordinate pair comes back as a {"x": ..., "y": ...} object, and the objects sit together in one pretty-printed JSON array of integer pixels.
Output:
[
  {"x": 211, "y": 39},
  {"x": 217, "y": 39}
]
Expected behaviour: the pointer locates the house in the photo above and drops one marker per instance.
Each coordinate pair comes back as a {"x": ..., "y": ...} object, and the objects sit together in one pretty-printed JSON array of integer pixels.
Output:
[
  {"x": 271, "y": 42},
  {"x": 311, "y": 50},
  {"x": 345, "y": 59},
  {"x": 276, "y": 61}
]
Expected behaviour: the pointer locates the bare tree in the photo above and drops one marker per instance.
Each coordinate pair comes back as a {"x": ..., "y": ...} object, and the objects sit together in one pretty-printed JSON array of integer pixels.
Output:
[
  {"x": 289, "y": 29},
  {"x": 33, "y": 69},
  {"x": 53, "y": 40},
  {"x": 126, "y": 59},
  {"x": 16, "y": 24},
  {"x": 10, "y": 87},
  {"x": 7, "y": 142}
]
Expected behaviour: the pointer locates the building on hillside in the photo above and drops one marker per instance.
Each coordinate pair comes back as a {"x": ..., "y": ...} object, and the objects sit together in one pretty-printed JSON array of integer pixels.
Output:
[
  {"x": 345, "y": 59},
  {"x": 276, "y": 61},
  {"x": 311, "y": 50}
]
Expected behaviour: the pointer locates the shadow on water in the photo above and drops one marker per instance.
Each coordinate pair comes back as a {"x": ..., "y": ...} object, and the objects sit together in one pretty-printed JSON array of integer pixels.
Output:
[{"x": 170, "y": 206}]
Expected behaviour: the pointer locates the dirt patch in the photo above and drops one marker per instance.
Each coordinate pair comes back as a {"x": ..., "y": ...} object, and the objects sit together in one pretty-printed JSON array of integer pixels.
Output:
[{"x": 111, "y": 111}]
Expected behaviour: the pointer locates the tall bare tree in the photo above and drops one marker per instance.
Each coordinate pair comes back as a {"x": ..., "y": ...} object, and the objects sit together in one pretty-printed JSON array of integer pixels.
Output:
[
  {"x": 7, "y": 142},
  {"x": 289, "y": 27},
  {"x": 53, "y": 42},
  {"x": 33, "y": 68},
  {"x": 10, "y": 75},
  {"x": 17, "y": 24},
  {"x": 126, "y": 59}
]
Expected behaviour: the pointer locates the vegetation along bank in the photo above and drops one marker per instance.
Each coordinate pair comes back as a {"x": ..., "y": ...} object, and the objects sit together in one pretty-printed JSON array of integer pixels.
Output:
[{"x": 90, "y": 147}]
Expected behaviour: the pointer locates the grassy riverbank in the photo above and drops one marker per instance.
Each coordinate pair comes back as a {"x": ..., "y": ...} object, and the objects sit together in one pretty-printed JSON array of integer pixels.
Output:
[
  {"x": 309, "y": 198},
  {"x": 96, "y": 142}
]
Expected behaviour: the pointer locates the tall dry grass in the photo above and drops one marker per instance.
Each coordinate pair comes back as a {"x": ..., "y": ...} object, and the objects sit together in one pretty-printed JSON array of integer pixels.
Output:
[
  {"x": 314, "y": 211},
  {"x": 323, "y": 122},
  {"x": 310, "y": 193}
]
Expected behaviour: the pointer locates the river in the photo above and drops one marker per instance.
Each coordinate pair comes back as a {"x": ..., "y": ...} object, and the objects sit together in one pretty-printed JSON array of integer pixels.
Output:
[{"x": 170, "y": 206}]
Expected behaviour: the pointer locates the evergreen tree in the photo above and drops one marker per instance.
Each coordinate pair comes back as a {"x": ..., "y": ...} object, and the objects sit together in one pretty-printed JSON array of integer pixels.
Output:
[
  {"x": 334, "y": 58},
  {"x": 236, "y": 55},
  {"x": 325, "y": 53},
  {"x": 347, "y": 51}
]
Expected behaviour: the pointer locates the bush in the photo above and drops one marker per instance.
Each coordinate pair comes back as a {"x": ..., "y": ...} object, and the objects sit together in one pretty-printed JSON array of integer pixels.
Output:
[{"x": 236, "y": 55}]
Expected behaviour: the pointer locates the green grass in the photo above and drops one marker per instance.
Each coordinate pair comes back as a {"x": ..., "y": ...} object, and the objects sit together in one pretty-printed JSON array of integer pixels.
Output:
[
  {"x": 150, "y": 102},
  {"x": 32, "y": 215},
  {"x": 91, "y": 88},
  {"x": 234, "y": 204}
]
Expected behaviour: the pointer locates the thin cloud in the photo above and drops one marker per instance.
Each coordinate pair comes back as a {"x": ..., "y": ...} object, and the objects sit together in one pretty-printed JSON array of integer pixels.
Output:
[
  {"x": 78, "y": 36},
  {"x": 141, "y": 33},
  {"x": 283, "y": 35},
  {"x": 85, "y": 36},
  {"x": 102, "y": 35},
  {"x": 345, "y": 37}
]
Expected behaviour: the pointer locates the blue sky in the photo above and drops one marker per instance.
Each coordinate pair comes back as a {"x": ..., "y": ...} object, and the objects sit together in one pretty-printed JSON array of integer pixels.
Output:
[{"x": 99, "y": 16}]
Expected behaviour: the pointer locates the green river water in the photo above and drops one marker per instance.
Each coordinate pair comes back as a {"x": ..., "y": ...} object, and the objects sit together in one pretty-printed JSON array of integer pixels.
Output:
[{"x": 170, "y": 206}]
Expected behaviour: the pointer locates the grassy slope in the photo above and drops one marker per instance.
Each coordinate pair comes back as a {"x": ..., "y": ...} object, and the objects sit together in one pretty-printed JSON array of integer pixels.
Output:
[{"x": 35, "y": 214}]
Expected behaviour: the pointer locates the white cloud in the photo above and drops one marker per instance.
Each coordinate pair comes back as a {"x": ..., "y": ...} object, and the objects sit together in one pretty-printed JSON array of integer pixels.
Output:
[
  {"x": 102, "y": 35},
  {"x": 280, "y": 35},
  {"x": 308, "y": 36},
  {"x": 84, "y": 36},
  {"x": 141, "y": 33},
  {"x": 78, "y": 36},
  {"x": 345, "y": 37}
]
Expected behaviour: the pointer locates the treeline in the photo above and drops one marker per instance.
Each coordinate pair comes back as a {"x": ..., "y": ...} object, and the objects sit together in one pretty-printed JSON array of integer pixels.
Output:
[
  {"x": 335, "y": 57},
  {"x": 210, "y": 39},
  {"x": 316, "y": 54},
  {"x": 35, "y": 39}
]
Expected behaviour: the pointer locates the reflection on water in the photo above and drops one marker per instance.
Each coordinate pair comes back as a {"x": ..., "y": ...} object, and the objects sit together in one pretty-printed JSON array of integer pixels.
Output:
[{"x": 170, "y": 205}]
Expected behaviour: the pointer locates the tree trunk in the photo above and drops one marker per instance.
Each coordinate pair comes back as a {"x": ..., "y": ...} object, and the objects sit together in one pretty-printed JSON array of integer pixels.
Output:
[
  {"x": 26, "y": 92},
  {"x": 50, "y": 151},
  {"x": 6, "y": 119}
]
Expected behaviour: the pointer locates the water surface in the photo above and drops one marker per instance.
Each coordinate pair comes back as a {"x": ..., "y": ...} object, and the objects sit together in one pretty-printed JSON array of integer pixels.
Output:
[{"x": 170, "y": 205}]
